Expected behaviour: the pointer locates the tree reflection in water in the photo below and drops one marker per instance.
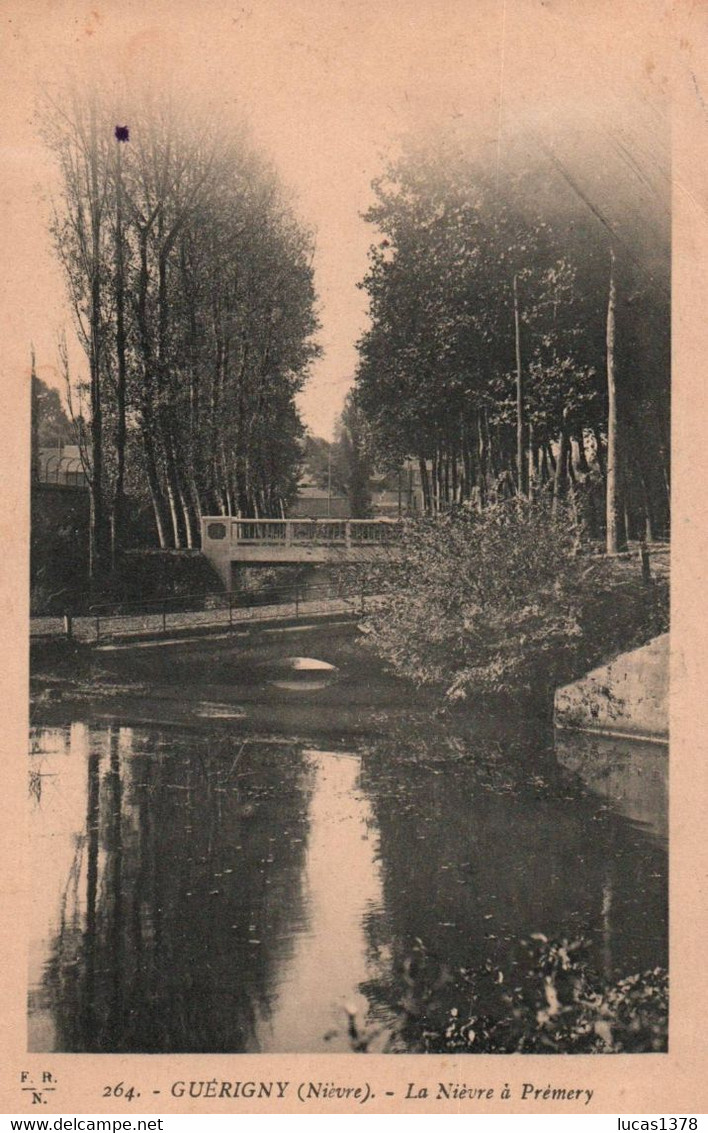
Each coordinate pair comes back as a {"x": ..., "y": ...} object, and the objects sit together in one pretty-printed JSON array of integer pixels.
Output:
[
  {"x": 192, "y": 876},
  {"x": 215, "y": 892},
  {"x": 481, "y": 847}
]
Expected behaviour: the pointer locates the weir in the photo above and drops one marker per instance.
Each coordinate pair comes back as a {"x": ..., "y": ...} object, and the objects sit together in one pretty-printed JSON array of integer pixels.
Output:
[{"x": 227, "y": 540}]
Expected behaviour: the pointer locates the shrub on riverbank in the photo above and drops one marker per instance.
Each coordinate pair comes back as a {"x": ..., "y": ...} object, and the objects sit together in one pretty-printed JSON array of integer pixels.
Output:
[
  {"x": 152, "y": 574},
  {"x": 141, "y": 576},
  {"x": 508, "y": 601},
  {"x": 553, "y": 1002},
  {"x": 559, "y": 1006}
]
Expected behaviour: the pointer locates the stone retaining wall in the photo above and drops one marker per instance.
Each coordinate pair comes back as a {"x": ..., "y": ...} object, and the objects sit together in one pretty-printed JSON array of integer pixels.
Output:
[{"x": 627, "y": 697}]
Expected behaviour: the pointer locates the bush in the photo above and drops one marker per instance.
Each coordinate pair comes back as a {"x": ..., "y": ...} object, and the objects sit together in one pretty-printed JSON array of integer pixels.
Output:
[
  {"x": 560, "y": 1006},
  {"x": 58, "y": 549},
  {"x": 146, "y": 575},
  {"x": 258, "y": 579},
  {"x": 507, "y": 601},
  {"x": 553, "y": 1002}
]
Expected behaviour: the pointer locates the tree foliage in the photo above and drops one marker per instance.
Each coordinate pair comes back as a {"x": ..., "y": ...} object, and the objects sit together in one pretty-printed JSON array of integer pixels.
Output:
[
  {"x": 192, "y": 291},
  {"x": 352, "y": 458},
  {"x": 461, "y": 253},
  {"x": 51, "y": 426}
]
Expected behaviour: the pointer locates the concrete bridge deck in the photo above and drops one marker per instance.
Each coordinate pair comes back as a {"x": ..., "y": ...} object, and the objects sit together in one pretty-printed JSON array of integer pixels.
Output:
[{"x": 227, "y": 540}]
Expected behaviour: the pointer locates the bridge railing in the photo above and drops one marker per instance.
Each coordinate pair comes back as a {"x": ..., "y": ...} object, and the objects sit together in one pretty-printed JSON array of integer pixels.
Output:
[
  {"x": 296, "y": 532},
  {"x": 375, "y": 530}
]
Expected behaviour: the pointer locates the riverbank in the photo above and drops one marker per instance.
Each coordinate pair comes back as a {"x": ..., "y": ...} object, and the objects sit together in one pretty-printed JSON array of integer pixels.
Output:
[
  {"x": 138, "y": 657},
  {"x": 218, "y": 679},
  {"x": 210, "y": 677}
]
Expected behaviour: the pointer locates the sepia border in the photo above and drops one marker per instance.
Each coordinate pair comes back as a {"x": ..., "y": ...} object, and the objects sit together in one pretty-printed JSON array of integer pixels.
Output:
[{"x": 669, "y": 1083}]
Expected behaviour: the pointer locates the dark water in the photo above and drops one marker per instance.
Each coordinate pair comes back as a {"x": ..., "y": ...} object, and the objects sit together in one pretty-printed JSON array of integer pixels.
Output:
[{"x": 241, "y": 879}]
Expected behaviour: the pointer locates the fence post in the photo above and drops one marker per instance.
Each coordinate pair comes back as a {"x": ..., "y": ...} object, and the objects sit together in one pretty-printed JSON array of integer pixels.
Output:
[
  {"x": 646, "y": 566},
  {"x": 68, "y": 626},
  {"x": 164, "y": 615}
]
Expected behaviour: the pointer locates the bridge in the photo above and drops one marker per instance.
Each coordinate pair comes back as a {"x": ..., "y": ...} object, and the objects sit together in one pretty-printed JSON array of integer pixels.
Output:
[{"x": 227, "y": 540}]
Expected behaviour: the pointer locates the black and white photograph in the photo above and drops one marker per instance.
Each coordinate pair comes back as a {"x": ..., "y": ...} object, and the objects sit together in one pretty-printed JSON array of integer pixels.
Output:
[{"x": 345, "y": 334}]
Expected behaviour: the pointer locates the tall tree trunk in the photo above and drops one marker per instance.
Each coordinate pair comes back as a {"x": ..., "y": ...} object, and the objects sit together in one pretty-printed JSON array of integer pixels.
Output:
[
  {"x": 425, "y": 485},
  {"x": 616, "y": 537},
  {"x": 483, "y": 451},
  {"x": 599, "y": 454},
  {"x": 572, "y": 487},
  {"x": 215, "y": 413},
  {"x": 97, "y": 555},
  {"x": 118, "y": 508},
  {"x": 583, "y": 465},
  {"x": 467, "y": 479},
  {"x": 550, "y": 460},
  {"x": 187, "y": 516},
  {"x": 435, "y": 484},
  {"x": 488, "y": 446},
  {"x": 191, "y": 458},
  {"x": 164, "y": 416},
  {"x": 198, "y": 502},
  {"x": 649, "y": 523},
  {"x": 544, "y": 465},
  {"x": 521, "y": 471},
  {"x": 627, "y": 518},
  {"x": 147, "y": 415},
  {"x": 559, "y": 481},
  {"x": 172, "y": 484},
  {"x": 153, "y": 479}
]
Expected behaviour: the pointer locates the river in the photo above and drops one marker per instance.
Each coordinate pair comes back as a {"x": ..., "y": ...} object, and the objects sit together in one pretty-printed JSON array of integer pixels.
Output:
[{"x": 237, "y": 850}]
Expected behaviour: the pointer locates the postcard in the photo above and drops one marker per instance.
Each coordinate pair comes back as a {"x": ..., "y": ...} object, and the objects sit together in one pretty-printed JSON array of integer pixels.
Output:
[{"x": 354, "y": 557}]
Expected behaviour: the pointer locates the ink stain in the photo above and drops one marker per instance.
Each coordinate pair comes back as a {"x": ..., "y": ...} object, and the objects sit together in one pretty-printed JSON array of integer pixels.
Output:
[{"x": 122, "y": 134}]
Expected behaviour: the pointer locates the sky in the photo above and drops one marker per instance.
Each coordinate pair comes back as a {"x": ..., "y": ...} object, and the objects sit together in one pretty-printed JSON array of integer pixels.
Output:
[{"x": 328, "y": 87}]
